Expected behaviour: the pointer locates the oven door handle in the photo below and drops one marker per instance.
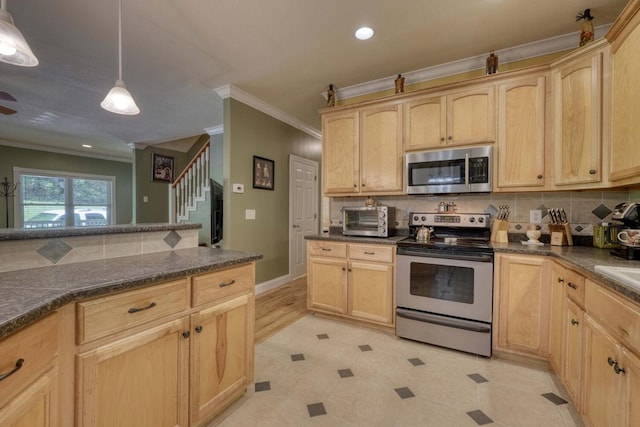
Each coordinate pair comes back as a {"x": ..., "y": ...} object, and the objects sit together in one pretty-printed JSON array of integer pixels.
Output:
[
  {"x": 478, "y": 258},
  {"x": 442, "y": 321},
  {"x": 466, "y": 171}
]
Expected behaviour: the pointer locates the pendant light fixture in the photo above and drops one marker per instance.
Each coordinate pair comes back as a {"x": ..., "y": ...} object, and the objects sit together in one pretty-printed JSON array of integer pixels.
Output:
[
  {"x": 119, "y": 100},
  {"x": 13, "y": 47}
]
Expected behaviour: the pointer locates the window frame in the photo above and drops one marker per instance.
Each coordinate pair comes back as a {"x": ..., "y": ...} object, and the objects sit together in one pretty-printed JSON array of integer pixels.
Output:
[{"x": 18, "y": 207}]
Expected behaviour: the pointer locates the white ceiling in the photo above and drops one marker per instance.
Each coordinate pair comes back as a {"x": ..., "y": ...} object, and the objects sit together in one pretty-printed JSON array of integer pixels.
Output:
[{"x": 283, "y": 52}]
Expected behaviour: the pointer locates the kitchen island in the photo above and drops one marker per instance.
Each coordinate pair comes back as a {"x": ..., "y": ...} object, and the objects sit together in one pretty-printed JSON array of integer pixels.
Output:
[{"x": 168, "y": 321}]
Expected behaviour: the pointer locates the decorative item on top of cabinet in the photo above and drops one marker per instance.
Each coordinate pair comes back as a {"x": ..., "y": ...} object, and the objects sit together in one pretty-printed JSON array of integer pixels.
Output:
[
  {"x": 331, "y": 96},
  {"x": 492, "y": 64},
  {"x": 580, "y": 87},
  {"x": 624, "y": 36},
  {"x": 462, "y": 117},
  {"x": 522, "y": 132},
  {"x": 399, "y": 83},
  {"x": 586, "y": 34}
]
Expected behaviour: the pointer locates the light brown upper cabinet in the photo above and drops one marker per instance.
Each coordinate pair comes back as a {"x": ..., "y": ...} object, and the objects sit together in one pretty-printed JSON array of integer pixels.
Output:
[
  {"x": 580, "y": 84},
  {"x": 522, "y": 133},
  {"x": 362, "y": 150},
  {"x": 625, "y": 45},
  {"x": 458, "y": 118}
]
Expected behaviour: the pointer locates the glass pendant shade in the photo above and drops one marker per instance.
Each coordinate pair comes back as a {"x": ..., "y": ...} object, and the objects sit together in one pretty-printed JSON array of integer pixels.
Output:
[
  {"x": 119, "y": 100},
  {"x": 13, "y": 47}
]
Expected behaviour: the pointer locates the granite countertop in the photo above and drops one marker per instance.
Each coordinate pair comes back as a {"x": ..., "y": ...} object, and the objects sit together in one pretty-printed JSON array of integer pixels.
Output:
[
  {"x": 582, "y": 258},
  {"x": 47, "y": 233},
  {"x": 28, "y": 295}
]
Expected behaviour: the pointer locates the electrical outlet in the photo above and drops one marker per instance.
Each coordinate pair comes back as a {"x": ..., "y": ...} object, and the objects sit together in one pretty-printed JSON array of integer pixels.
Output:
[
  {"x": 535, "y": 216},
  {"x": 238, "y": 188}
]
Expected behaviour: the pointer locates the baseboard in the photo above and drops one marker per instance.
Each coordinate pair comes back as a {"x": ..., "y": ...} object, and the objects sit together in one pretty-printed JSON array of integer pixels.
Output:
[{"x": 272, "y": 284}]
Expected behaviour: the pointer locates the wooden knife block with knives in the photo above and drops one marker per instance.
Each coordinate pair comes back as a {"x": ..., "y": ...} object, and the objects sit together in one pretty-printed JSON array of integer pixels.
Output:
[
  {"x": 500, "y": 228},
  {"x": 559, "y": 228}
]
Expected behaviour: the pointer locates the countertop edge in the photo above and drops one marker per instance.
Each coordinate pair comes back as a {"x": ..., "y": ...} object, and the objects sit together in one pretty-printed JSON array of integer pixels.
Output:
[
  {"x": 9, "y": 234},
  {"x": 60, "y": 297}
]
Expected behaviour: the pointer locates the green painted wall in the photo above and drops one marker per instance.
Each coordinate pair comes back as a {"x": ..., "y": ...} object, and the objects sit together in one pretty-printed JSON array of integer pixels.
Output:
[
  {"x": 249, "y": 132},
  {"x": 156, "y": 209},
  {"x": 35, "y": 159}
]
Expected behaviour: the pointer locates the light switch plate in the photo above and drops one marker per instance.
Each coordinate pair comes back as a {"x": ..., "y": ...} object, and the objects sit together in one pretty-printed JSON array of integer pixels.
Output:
[{"x": 250, "y": 214}]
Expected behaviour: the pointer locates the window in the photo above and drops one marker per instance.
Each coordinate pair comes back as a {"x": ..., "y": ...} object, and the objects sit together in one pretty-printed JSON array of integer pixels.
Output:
[{"x": 49, "y": 199}]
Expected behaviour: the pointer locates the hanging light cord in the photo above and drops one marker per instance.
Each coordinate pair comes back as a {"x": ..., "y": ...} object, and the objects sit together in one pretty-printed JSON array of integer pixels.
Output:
[{"x": 119, "y": 40}]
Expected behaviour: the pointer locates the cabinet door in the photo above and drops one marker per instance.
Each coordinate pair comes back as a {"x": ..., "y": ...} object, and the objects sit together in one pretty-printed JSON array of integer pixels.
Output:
[
  {"x": 424, "y": 123},
  {"x": 327, "y": 284},
  {"x": 625, "y": 150},
  {"x": 381, "y": 149},
  {"x": 578, "y": 121},
  {"x": 631, "y": 365},
  {"x": 140, "y": 380},
  {"x": 35, "y": 406},
  {"x": 557, "y": 322},
  {"x": 221, "y": 355},
  {"x": 604, "y": 391},
  {"x": 573, "y": 353},
  {"x": 471, "y": 116},
  {"x": 371, "y": 292},
  {"x": 340, "y": 152},
  {"x": 524, "y": 305},
  {"x": 521, "y": 133}
]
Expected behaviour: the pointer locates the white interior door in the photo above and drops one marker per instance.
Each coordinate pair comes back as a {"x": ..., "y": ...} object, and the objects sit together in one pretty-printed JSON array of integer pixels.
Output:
[{"x": 303, "y": 216}]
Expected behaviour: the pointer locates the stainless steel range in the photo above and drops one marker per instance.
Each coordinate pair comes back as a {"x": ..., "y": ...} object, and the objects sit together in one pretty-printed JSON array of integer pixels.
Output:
[{"x": 444, "y": 286}]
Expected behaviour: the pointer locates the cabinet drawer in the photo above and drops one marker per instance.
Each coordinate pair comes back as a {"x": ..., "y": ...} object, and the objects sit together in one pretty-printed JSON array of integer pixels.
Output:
[
  {"x": 575, "y": 287},
  {"x": 104, "y": 316},
  {"x": 620, "y": 317},
  {"x": 378, "y": 253},
  {"x": 219, "y": 284},
  {"x": 324, "y": 248},
  {"x": 36, "y": 346}
]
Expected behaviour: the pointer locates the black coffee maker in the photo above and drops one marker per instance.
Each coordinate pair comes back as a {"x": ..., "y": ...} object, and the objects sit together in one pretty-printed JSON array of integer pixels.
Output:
[{"x": 628, "y": 213}]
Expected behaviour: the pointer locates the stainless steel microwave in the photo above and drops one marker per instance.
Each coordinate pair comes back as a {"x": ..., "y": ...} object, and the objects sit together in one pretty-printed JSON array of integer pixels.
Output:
[
  {"x": 375, "y": 221},
  {"x": 463, "y": 170}
]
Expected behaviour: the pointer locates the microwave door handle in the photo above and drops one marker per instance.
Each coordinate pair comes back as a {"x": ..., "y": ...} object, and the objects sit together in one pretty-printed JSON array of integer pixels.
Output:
[{"x": 466, "y": 170}]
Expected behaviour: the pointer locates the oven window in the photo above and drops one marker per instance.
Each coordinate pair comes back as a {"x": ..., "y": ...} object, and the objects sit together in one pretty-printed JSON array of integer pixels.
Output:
[
  {"x": 361, "y": 220},
  {"x": 443, "y": 282}
]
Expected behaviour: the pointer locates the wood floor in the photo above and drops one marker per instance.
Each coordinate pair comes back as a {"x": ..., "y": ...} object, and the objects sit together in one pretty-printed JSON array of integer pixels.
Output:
[{"x": 280, "y": 307}]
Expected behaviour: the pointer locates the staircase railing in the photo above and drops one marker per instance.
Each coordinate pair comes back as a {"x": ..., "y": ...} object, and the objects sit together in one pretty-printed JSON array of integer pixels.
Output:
[{"x": 191, "y": 185}]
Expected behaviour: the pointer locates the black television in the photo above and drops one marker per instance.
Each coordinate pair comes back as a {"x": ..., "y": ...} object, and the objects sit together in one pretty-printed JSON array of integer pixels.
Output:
[{"x": 216, "y": 211}]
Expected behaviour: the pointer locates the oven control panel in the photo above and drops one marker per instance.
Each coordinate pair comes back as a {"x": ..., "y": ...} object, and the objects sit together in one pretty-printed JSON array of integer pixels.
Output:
[{"x": 429, "y": 219}]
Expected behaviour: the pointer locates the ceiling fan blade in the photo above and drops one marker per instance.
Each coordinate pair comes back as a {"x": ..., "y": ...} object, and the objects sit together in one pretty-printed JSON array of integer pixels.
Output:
[
  {"x": 7, "y": 96},
  {"x": 6, "y": 111}
]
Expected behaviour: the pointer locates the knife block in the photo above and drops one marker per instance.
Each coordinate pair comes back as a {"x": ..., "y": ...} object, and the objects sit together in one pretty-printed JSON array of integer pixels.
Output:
[
  {"x": 500, "y": 225},
  {"x": 561, "y": 234}
]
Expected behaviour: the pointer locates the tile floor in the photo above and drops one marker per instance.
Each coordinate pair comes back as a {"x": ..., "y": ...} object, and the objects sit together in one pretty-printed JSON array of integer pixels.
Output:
[{"x": 330, "y": 373}]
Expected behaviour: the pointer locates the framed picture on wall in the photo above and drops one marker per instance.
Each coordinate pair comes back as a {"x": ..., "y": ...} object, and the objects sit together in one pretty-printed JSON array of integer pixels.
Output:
[
  {"x": 162, "y": 168},
  {"x": 263, "y": 170}
]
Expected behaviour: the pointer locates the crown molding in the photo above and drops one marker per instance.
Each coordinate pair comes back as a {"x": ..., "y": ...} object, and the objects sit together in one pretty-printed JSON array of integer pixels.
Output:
[
  {"x": 215, "y": 130},
  {"x": 512, "y": 54},
  {"x": 69, "y": 152},
  {"x": 230, "y": 91}
]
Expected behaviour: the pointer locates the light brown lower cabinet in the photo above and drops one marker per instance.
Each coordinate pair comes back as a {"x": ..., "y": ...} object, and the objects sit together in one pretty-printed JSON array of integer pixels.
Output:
[
  {"x": 351, "y": 280},
  {"x": 29, "y": 393},
  {"x": 572, "y": 369}
]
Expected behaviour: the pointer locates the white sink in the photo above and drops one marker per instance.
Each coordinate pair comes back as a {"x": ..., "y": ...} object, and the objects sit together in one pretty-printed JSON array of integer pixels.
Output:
[{"x": 630, "y": 276}]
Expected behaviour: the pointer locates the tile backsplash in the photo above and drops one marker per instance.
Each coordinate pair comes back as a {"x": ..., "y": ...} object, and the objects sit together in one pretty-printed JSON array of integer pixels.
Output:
[{"x": 584, "y": 208}]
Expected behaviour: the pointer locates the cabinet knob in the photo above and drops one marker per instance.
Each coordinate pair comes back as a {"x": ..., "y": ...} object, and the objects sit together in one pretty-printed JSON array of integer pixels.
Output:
[
  {"x": 560, "y": 280},
  {"x": 574, "y": 322},
  {"x": 364, "y": 185},
  {"x": 450, "y": 138},
  {"x": 186, "y": 334},
  {"x": 571, "y": 285},
  {"x": 442, "y": 138},
  {"x": 592, "y": 172},
  {"x": 610, "y": 361},
  {"x": 198, "y": 328},
  {"x": 618, "y": 370},
  {"x": 539, "y": 177},
  {"x": 355, "y": 185}
]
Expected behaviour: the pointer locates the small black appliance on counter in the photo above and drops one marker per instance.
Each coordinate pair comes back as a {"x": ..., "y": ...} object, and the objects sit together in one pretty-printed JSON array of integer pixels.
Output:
[{"x": 628, "y": 213}]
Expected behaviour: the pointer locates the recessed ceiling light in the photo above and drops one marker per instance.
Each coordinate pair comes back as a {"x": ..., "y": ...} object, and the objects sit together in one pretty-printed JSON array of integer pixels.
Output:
[
  {"x": 364, "y": 33},
  {"x": 86, "y": 146}
]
